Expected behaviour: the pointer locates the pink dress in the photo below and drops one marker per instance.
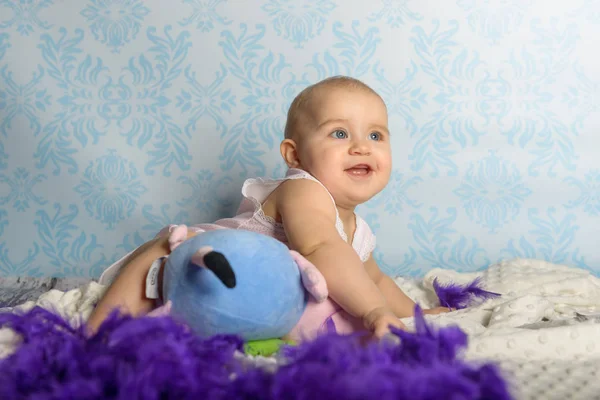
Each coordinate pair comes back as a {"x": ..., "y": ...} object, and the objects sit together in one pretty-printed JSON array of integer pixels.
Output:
[{"x": 318, "y": 318}]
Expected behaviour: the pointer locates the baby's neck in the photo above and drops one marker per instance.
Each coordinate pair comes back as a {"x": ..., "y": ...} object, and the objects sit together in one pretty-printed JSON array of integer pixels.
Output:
[{"x": 346, "y": 215}]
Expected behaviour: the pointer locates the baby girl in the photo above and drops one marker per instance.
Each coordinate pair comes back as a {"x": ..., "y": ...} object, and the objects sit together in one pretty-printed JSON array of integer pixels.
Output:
[{"x": 337, "y": 149}]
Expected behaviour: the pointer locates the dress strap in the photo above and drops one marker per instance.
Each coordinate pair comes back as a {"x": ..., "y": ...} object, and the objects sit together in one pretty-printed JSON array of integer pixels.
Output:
[{"x": 364, "y": 240}]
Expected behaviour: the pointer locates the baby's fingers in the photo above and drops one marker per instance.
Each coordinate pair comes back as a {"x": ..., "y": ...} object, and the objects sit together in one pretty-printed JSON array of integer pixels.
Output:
[
  {"x": 383, "y": 328},
  {"x": 398, "y": 324},
  {"x": 438, "y": 310}
]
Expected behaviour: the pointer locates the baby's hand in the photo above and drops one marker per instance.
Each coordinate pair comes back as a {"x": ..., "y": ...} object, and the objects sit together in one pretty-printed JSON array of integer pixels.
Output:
[
  {"x": 437, "y": 310},
  {"x": 379, "y": 320}
]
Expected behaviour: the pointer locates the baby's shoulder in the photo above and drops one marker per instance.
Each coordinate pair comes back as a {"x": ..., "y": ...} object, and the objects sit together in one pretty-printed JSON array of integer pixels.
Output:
[
  {"x": 298, "y": 195},
  {"x": 303, "y": 191}
]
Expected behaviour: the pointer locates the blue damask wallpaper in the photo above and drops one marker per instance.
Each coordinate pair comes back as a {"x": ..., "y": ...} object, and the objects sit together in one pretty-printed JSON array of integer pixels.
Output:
[{"x": 120, "y": 116}]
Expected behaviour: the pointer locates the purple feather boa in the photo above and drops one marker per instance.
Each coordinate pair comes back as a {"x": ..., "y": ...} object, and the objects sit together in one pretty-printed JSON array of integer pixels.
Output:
[
  {"x": 158, "y": 358},
  {"x": 456, "y": 296}
]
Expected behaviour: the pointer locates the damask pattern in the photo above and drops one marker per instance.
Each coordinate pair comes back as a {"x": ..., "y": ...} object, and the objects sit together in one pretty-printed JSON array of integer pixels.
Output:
[
  {"x": 113, "y": 21},
  {"x": 118, "y": 117},
  {"x": 24, "y": 15}
]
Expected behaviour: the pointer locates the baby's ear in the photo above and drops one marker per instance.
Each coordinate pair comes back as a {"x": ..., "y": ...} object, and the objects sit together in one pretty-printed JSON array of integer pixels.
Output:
[
  {"x": 289, "y": 153},
  {"x": 312, "y": 279},
  {"x": 177, "y": 235}
]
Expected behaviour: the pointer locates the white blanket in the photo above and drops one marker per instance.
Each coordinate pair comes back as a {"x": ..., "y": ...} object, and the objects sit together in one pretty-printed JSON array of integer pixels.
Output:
[
  {"x": 542, "y": 329},
  {"x": 546, "y": 311},
  {"x": 75, "y": 306}
]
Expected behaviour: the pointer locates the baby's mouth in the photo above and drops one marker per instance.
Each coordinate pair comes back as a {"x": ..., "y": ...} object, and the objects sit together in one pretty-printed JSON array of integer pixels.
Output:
[{"x": 359, "y": 170}]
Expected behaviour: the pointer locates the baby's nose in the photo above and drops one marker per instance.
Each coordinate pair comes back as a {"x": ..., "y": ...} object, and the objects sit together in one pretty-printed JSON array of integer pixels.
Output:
[{"x": 360, "y": 147}]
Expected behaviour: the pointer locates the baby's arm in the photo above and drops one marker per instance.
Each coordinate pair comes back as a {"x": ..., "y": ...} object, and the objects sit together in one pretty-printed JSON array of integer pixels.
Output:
[
  {"x": 309, "y": 218},
  {"x": 399, "y": 302},
  {"x": 128, "y": 291}
]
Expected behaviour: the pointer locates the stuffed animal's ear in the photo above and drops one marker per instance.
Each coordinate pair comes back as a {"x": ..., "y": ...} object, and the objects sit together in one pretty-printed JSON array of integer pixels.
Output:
[
  {"x": 161, "y": 311},
  {"x": 207, "y": 258},
  {"x": 177, "y": 235},
  {"x": 312, "y": 279},
  {"x": 198, "y": 256}
]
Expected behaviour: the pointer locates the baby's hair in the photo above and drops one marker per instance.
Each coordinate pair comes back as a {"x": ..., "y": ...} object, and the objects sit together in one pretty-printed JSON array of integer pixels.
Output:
[{"x": 305, "y": 96}]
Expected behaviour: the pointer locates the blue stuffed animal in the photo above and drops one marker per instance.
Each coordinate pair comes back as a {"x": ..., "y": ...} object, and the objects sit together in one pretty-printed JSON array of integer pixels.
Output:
[{"x": 238, "y": 282}]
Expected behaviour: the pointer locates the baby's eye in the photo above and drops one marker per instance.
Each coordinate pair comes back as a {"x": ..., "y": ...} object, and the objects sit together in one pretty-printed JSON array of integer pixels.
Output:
[
  {"x": 339, "y": 134},
  {"x": 375, "y": 136}
]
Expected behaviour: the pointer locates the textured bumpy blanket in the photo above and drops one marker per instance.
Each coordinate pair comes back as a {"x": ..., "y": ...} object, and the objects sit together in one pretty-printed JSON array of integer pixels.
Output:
[{"x": 542, "y": 332}]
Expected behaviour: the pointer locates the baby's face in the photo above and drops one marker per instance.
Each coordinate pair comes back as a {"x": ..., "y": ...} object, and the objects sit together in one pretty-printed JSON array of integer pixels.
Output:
[{"x": 344, "y": 142}]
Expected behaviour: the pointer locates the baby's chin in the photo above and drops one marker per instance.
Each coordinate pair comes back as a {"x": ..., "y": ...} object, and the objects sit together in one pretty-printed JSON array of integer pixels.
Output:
[{"x": 359, "y": 196}]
